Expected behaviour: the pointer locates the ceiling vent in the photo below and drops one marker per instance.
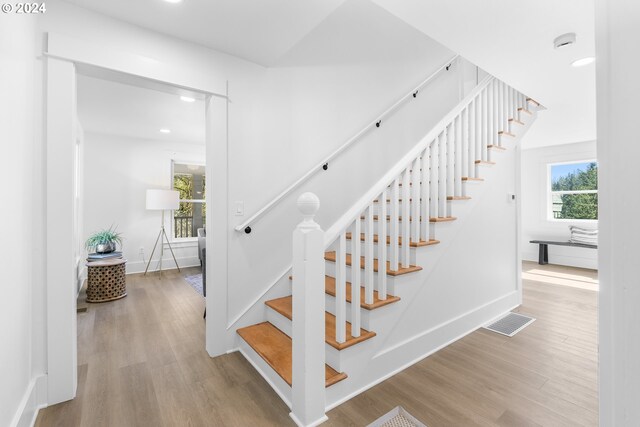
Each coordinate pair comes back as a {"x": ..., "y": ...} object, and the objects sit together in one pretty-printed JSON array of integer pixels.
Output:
[{"x": 564, "y": 40}]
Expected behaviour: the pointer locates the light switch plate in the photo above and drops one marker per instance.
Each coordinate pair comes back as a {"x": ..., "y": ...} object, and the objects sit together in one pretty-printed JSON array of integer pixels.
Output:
[{"x": 239, "y": 211}]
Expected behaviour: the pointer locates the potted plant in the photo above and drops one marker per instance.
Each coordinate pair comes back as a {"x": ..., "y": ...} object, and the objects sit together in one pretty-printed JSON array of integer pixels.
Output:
[{"x": 104, "y": 241}]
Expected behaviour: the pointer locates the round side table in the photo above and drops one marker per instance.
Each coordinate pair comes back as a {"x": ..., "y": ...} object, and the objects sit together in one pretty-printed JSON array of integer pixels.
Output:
[{"x": 106, "y": 280}]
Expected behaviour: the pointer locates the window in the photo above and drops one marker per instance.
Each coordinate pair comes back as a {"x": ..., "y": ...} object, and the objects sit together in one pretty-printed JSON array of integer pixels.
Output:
[
  {"x": 189, "y": 180},
  {"x": 573, "y": 191}
]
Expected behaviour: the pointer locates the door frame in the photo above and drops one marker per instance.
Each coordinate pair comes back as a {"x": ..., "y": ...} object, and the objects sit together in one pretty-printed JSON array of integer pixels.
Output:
[{"x": 63, "y": 55}]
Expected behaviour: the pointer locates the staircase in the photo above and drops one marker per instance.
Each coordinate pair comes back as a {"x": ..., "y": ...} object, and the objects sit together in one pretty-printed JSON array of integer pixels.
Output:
[{"x": 391, "y": 230}]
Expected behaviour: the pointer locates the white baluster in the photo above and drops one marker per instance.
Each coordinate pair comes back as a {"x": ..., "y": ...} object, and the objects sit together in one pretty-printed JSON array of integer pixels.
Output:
[
  {"x": 512, "y": 107},
  {"x": 503, "y": 122},
  {"x": 434, "y": 176},
  {"x": 473, "y": 137},
  {"x": 308, "y": 325},
  {"x": 451, "y": 135},
  {"x": 382, "y": 247},
  {"x": 424, "y": 194},
  {"x": 415, "y": 200},
  {"x": 485, "y": 123},
  {"x": 490, "y": 122},
  {"x": 394, "y": 226},
  {"x": 442, "y": 174},
  {"x": 368, "y": 258},
  {"x": 355, "y": 277},
  {"x": 406, "y": 221},
  {"x": 466, "y": 143},
  {"x": 496, "y": 114},
  {"x": 341, "y": 289},
  {"x": 457, "y": 170}
]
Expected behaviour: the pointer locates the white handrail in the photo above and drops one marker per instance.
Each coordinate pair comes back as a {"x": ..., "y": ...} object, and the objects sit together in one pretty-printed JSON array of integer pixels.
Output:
[
  {"x": 320, "y": 166},
  {"x": 341, "y": 225}
]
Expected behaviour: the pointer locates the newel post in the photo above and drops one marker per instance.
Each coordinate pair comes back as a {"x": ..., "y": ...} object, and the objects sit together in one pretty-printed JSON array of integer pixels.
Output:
[{"x": 308, "y": 385}]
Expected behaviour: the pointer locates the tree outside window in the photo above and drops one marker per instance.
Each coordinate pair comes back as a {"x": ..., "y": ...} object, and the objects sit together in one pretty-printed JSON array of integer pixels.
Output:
[
  {"x": 574, "y": 191},
  {"x": 189, "y": 181}
]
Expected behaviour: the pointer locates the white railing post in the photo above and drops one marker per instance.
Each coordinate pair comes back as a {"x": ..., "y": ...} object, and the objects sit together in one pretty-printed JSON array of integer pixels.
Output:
[{"x": 308, "y": 329}]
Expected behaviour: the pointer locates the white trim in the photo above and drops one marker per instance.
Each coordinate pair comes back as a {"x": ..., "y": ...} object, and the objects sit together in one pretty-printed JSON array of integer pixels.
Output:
[
  {"x": 61, "y": 318},
  {"x": 257, "y": 299},
  {"x": 31, "y": 403}
]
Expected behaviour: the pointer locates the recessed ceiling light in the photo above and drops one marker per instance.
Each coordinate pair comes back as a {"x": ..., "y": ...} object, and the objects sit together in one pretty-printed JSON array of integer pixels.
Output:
[
  {"x": 165, "y": 130},
  {"x": 582, "y": 62},
  {"x": 173, "y": 1},
  {"x": 187, "y": 99}
]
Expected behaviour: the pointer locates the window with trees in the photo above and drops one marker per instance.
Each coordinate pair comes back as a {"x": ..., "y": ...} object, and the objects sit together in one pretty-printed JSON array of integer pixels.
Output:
[
  {"x": 189, "y": 181},
  {"x": 573, "y": 191}
]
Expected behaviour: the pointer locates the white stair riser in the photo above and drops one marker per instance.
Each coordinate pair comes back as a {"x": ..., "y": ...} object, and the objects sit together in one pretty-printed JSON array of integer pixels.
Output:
[{"x": 333, "y": 357}]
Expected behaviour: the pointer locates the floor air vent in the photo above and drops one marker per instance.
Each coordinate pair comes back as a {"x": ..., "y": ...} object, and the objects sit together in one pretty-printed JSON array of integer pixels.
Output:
[{"x": 510, "y": 324}]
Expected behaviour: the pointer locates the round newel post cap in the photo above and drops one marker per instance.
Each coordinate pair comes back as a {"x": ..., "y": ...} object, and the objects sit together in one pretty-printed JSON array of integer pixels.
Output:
[{"x": 308, "y": 205}]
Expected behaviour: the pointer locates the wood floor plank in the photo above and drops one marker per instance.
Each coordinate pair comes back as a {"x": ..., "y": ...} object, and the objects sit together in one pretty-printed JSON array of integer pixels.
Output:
[{"x": 142, "y": 362}]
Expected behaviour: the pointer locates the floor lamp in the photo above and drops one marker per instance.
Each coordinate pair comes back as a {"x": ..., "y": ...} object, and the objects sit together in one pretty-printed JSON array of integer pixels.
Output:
[{"x": 162, "y": 200}]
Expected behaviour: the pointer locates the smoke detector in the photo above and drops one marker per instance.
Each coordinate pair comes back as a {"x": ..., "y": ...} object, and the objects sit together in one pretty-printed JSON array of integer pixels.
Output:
[{"x": 564, "y": 40}]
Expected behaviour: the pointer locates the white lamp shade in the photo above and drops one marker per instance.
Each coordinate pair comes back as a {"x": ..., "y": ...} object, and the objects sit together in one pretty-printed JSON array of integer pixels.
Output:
[{"x": 162, "y": 199}]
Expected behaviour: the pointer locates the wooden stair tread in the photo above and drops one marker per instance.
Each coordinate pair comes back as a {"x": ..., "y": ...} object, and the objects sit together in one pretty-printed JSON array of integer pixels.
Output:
[
  {"x": 331, "y": 256},
  {"x": 470, "y": 178},
  {"x": 505, "y": 133},
  {"x": 284, "y": 306},
  {"x": 516, "y": 121},
  {"x": 274, "y": 346},
  {"x": 496, "y": 147},
  {"x": 458, "y": 197},
  {"x": 432, "y": 219},
  {"x": 533, "y": 101},
  {"x": 330, "y": 288},
  {"x": 485, "y": 162},
  {"x": 524, "y": 110},
  {"x": 442, "y": 219},
  {"x": 412, "y": 243}
]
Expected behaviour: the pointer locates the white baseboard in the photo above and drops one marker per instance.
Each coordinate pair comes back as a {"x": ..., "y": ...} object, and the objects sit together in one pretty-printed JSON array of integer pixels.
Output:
[
  {"x": 33, "y": 400},
  {"x": 135, "y": 267}
]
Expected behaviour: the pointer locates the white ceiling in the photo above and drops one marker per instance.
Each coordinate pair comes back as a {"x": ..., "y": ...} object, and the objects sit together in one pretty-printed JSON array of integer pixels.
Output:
[
  {"x": 511, "y": 39},
  {"x": 258, "y": 30},
  {"x": 120, "y": 109}
]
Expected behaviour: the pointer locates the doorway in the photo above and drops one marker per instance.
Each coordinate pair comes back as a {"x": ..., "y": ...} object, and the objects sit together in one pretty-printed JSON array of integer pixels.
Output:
[{"x": 62, "y": 273}]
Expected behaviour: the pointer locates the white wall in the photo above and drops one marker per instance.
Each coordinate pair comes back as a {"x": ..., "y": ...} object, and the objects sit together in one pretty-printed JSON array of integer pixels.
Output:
[
  {"x": 535, "y": 222},
  {"x": 17, "y": 139},
  {"x": 283, "y": 119},
  {"x": 118, "y": 171},
  {"x": 618, "y": 91}
]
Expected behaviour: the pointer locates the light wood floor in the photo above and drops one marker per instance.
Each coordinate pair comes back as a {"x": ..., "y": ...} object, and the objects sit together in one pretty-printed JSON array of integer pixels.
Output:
[{"x": 142, "y": 363}]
